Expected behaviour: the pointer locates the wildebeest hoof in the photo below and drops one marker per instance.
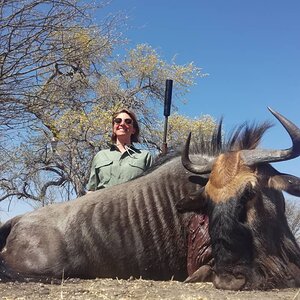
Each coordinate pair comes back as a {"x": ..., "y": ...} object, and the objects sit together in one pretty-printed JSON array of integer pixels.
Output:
[{"x": 229, "y": 282}]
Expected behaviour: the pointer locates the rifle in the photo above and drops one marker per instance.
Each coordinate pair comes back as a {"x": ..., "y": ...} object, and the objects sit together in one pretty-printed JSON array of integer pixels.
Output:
[{"x": 167, "y": 108}]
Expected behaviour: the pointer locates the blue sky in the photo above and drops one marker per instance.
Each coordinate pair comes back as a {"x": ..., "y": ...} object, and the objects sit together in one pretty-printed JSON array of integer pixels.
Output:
[{"x": 250, "y": 49}]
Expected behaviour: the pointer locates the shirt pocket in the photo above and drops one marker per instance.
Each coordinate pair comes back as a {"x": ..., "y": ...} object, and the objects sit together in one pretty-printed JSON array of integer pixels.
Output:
[
  {"x": 104, "y": 171},
  {"x": 137, "y": 167}
]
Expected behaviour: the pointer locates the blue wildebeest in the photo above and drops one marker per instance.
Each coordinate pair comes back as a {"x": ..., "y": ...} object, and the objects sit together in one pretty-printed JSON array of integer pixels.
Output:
[
  {"x": 134, "y": 229},
  {"x": 252, "y": 245}
]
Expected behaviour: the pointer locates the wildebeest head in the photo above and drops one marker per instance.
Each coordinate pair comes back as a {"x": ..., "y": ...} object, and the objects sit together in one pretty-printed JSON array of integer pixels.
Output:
[{"x": 252, "y": 244}]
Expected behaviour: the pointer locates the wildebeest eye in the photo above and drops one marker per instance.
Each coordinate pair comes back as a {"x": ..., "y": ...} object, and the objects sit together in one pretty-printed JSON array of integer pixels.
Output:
[
  {"x": 249, "y": 192},
  {"x": 199, "y": 180},
  {"x": 193, "y": 202}
]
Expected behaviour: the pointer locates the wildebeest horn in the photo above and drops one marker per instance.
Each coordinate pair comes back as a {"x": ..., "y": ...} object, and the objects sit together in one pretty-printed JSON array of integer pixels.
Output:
[
  {"x": 255, "y": 156},
  {"x": 194, "y": 168}
]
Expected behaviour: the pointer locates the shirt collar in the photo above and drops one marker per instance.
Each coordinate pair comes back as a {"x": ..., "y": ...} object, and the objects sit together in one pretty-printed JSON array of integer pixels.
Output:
[{"x": 113, "y": 147}]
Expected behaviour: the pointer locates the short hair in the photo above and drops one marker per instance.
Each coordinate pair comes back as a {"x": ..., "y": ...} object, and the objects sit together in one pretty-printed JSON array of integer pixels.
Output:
[{"x": 135, "y": 138}]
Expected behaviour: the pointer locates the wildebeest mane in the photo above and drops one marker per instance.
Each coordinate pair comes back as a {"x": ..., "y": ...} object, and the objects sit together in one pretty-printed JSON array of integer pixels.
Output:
[
  {"x": 247, "y": 136},
  {"x": 244, "y": 136}
]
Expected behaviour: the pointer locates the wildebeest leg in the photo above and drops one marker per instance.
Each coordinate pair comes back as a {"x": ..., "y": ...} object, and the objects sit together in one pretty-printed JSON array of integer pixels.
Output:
[{"x": 203, "y": 274}]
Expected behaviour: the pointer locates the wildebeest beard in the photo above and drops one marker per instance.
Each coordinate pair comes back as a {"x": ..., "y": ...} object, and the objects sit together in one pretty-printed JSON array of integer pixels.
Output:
[{"x": 232, "y": 240}]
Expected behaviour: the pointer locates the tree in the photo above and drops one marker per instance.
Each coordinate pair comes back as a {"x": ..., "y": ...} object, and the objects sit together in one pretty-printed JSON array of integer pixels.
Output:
[
  {"x": 292, "y": 211},
  {"x": 66, "y": 83},
  {"x": 43, "y": 40},
  {"x": 180, "y": 126},
  {"x": 65, "y": 149},
  {"x": 46, "y": 56}
]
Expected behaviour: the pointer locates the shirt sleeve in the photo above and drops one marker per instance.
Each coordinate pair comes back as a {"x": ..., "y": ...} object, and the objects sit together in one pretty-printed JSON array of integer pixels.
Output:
[{"x": 93, "y": 180}]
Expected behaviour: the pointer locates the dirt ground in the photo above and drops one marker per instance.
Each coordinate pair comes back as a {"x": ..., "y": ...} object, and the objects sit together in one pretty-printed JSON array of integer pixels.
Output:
[{"x": 134, "y": 289}]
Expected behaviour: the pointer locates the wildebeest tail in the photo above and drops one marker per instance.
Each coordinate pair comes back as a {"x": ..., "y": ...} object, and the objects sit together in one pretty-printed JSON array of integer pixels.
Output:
[
  {"x": 4, "y": 232},
  {"x": 5, "y": 273}
]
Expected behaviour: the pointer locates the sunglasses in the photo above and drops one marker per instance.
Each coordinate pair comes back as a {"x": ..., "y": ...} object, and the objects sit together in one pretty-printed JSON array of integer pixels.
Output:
[{"x": 119, "y": 121}]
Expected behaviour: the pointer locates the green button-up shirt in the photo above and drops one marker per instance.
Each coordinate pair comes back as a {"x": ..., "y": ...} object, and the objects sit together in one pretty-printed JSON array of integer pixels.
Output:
[{"x": 111, "y": 167}]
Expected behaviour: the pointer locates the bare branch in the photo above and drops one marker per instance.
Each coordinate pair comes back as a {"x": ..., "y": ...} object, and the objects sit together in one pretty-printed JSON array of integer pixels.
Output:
[{"x": 292, "y": 211}]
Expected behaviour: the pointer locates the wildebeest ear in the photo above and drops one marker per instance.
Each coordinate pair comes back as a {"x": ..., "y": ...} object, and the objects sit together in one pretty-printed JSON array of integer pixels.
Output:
[
  {"x": 192, "y": 202},
  {"x": 287, "y": 183}
]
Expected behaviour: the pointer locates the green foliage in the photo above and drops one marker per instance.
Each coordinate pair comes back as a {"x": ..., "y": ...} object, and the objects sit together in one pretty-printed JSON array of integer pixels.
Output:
[
  {"x": 65, "y": 101},
  {"x": 180, "y": 126}
]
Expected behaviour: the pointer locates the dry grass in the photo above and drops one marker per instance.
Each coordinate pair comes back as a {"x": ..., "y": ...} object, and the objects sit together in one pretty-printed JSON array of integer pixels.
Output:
[{"x": 133, "y": 290}]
